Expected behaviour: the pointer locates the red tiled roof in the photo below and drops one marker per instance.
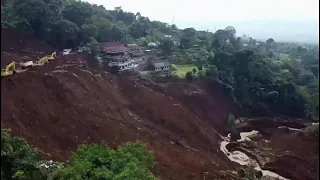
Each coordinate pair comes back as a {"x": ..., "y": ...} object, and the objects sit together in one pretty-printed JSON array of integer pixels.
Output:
[{"x": 113, "y": 47}]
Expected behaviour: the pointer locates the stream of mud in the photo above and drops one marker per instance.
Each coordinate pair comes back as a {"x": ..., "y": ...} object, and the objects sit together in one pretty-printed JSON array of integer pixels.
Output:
[{"x": 242, "y": 159}]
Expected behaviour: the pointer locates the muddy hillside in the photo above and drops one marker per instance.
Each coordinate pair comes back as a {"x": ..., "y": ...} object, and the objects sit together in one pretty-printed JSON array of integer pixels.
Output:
[
  {"x": 68, "y": 102},
  {"x": 64, "y": 103}
]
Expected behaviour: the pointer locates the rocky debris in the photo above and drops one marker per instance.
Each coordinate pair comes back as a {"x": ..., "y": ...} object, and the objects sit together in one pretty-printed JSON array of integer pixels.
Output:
[{"x": 289, "y": 154}]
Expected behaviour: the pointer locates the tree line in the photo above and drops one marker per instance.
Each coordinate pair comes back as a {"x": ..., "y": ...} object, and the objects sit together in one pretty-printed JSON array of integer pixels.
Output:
[{"x": 263, "y": 77}]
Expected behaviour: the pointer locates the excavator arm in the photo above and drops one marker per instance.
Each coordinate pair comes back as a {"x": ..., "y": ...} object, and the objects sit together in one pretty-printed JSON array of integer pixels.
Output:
[
  {"x": 13, "y": 65},
  {"x": 6, "y": 71},
  {"x": 52, "y": 56}
]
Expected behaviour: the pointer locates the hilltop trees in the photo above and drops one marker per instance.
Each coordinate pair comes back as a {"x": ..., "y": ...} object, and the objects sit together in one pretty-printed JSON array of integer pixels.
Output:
[
  {"x": 79, "y": 20},
  {"x": 188, "y": 38},
  {"x": 249, "y": 67}
]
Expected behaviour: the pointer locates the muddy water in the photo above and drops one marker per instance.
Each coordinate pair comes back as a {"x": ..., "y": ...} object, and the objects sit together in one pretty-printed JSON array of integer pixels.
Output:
[
  {"x": 292, "y": 129},
  {"x": 242, "y": 159}
]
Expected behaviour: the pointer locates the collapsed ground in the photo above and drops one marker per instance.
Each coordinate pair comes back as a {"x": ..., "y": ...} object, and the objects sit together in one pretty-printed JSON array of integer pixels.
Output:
[{"x": 65, "y": 103}]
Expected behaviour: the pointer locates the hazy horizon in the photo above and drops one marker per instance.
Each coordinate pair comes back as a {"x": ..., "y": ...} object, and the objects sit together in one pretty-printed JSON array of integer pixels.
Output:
[{"x": 283, "y": 20}]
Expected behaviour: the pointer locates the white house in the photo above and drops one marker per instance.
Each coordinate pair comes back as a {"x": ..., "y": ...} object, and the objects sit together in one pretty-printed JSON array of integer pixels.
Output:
[{"x": 161, "y": 66}]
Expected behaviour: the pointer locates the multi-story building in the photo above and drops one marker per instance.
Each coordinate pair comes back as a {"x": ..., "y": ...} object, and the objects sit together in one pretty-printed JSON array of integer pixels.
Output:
[{"x": 116, "y": 55}]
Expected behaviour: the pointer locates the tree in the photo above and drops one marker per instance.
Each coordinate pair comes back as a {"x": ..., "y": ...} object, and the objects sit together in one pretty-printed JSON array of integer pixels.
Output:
[
  {"x": 18, "y": 159},
  {"x": 269, "y": 43},
  {"x": 188, "y": 38},
  {"x": 64, "y": 33},
  {"x": 89, "y": 31},
  {"x": 189, "y": 76},
  {"x": 92, "y": 161},
  {"x": 11, "y": 19},
  {"x": 78, "y": 12},
  {"x": 236, "y": 43},
  {"x": 138, "y": 29},
  {"x": 231, "y": 30},
  {"x": 117, "y": 33},
  {"x": 130, "y": 161},
  {"x": 39, "y": 14},
  {"x": 166, "y": 46},
  {"x": 103, "y": 27}
]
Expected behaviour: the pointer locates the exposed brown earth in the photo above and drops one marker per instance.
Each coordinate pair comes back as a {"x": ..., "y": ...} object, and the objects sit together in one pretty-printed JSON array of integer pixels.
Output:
[
  {"x": 62, "y": 104},
  {"x": 65, "y": 103},
  {"x": 290, "y": 153}
]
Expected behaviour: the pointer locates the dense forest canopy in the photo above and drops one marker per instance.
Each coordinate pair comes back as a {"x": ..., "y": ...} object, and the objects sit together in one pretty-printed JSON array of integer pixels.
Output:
[{"x": 262, "y": 77}]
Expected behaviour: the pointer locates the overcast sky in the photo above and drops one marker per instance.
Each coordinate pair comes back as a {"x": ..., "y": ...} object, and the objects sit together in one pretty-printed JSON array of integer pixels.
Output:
[{"x": 295, "y": 20}]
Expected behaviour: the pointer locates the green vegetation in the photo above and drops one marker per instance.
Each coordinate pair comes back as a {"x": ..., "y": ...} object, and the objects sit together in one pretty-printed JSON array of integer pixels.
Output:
[
  {"x": 130, "y": 161},
  {"x": 231, "y": 122},
  {"x": 249, "y": 173},
  {"x": 18, "y": 159},
  {"x": 183, "y": 69},
  {"x": 264, "y": 77}
]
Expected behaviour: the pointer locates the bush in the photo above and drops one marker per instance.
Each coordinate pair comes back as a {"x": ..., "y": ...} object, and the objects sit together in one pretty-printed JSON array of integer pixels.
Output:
[
  {"x": 189, "y": 76},
  {"x": 18, "y": 159},
  {"x": 231, "y": 122},
  {"x": 94, "y": 161},
  {"x": 131, "y": 161},
  {"x": 199, "y": 68},
  {"x": 194, "y": 70},
  {"x": 250, "y": 173}
]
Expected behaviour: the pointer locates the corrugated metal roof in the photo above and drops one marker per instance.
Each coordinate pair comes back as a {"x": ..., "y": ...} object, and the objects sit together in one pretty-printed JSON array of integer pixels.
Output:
[{"x": 113, "y": 47}]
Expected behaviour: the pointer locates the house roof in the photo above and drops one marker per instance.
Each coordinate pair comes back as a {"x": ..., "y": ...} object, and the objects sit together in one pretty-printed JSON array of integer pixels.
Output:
[
  {"x": 113, "y": 47},
  {"x": 161, "y": 64}
]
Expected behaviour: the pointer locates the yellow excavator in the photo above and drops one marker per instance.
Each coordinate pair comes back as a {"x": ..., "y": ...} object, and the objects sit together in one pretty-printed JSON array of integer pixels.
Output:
[
  {"x": 7, "y": 71},
  {"x": 52, "y": 56},
  {"x": 45, "y": 59},
  {"x": 42, "y": 61}
]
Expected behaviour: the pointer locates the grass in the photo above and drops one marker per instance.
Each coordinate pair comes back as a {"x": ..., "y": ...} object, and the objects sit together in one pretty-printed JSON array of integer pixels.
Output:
[
  {"x": 183, "y": 69},
  {"x": 283, "y": 56}
]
